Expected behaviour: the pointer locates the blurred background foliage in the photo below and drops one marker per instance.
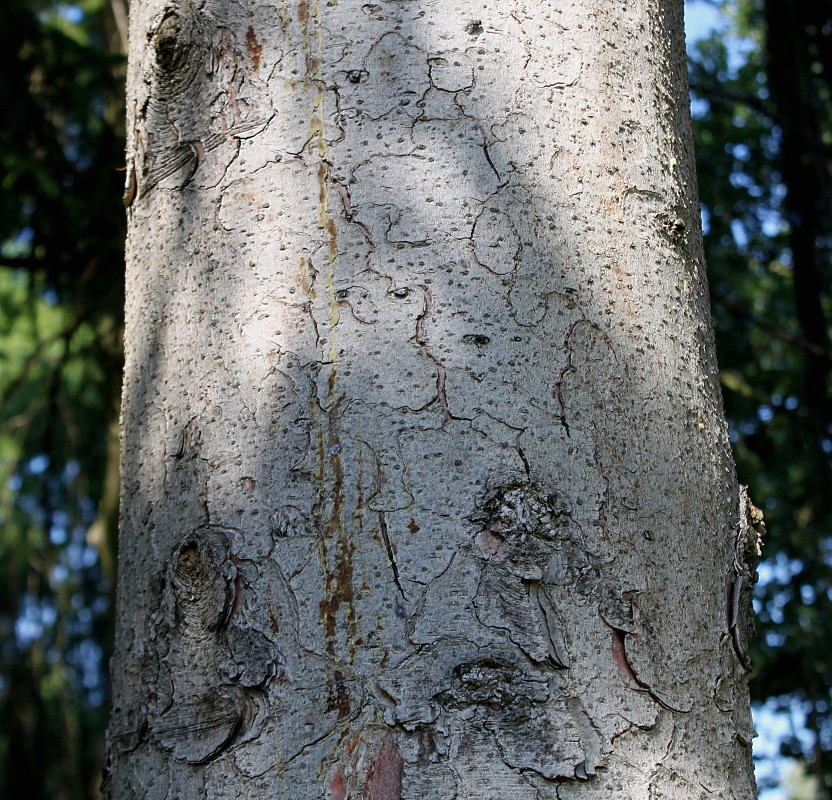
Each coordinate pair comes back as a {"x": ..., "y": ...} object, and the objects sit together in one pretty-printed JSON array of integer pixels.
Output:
[
  {"x": 761, "y": 86},
  {"x": 762, "y": 103},
  {"x": 61, "y": 275}
]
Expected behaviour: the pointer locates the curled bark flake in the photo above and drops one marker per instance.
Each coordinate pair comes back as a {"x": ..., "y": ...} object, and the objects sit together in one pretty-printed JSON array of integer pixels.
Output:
[
  {"x": 130, "y": 187},
  {"x": 616, "y": 610},
  {"x": 619, "y": 652},
  {"x": 748, "y": 542},
  {"x": 622, "y": 659}
]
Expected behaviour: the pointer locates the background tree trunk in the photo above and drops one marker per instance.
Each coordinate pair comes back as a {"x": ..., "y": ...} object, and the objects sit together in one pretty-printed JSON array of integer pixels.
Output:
[{"x": 427, "y": 491}]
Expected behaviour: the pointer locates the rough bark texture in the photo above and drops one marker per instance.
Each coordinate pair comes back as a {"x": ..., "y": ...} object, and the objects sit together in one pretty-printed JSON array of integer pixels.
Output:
[{"x": 427, "y": 490}]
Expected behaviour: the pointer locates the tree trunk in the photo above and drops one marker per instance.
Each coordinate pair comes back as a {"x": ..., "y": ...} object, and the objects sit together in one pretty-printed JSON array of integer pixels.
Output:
[{"x": 427, "y": 491}]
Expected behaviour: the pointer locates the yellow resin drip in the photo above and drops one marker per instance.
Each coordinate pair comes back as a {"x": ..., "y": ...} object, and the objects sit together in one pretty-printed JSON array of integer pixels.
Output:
[{"x": 309, "y": 14}]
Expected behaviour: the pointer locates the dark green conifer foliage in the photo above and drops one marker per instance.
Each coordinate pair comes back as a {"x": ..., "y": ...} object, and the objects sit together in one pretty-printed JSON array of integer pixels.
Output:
[
  {"x": 764, "y": 149},
  {"x": 61, "y": 275}
]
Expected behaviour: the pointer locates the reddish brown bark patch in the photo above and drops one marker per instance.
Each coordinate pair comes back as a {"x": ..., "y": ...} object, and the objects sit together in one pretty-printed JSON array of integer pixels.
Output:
[
  {"x": 337, "y": 787},
  {"x": 384, "y": 778},
  {"x": 370, "y": 768},
  {"x": 254, "y": 47}
]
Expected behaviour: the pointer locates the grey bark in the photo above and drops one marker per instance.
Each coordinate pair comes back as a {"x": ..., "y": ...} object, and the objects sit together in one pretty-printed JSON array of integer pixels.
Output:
[{"x": 427, "y": 491}]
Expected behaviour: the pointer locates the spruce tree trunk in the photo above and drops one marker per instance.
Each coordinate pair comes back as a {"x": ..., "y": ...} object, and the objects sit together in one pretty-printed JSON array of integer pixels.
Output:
[{"x": 427, "y": 490}]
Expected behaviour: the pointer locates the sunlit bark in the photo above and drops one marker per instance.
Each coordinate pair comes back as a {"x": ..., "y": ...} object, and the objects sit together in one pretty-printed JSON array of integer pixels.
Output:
[{"x": 427, "y": 491}]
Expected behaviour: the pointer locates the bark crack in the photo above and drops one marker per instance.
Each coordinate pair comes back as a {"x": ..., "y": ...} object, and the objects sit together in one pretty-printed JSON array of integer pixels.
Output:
[{"x": 391, "y": 555}]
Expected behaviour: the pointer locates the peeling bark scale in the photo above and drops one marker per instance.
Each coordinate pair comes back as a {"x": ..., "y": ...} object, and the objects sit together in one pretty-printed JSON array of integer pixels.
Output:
[{"x": 427, "y": 491}]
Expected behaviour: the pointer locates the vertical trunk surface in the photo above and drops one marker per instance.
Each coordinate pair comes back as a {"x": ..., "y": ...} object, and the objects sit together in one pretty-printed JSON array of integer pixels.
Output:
[{"x": 427, "y": 489}]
